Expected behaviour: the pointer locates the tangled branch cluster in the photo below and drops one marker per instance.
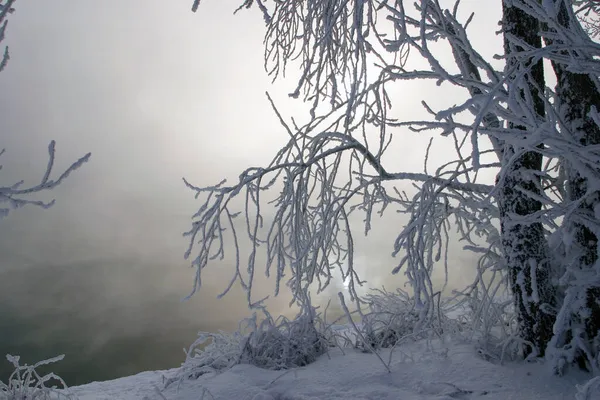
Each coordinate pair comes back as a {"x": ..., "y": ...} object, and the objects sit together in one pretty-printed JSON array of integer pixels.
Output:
[{"x": 350, "y": 55}]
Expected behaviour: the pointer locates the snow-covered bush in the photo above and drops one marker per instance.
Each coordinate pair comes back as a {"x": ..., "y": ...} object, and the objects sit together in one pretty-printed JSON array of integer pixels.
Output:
[
  {"x": 25, "y": 383},
  {"x": 489, "y": 321},
  {"x": 211, "y": 352},
  {"x": 284, "y": 343},
  {"x": 391, "y": 317},
  {"x": 589, "y": 391},
  {"x": 268, "y": 343}
]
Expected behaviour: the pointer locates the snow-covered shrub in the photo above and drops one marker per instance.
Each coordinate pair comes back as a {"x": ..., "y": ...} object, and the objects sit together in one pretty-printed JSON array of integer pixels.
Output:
[
  {"x": 390, "y": 317},
  {"x": 210, "y": 353},
  {"x": 489, "y": 321},
  {"x": 25, "y": 383},
  {"x": 491, "y": 314},
  {"x": 283, "y": 343},
  {"x": 269, "y": 343},
  {"x": 393, "y": 317},
  {"x": 590, "y": 390}
]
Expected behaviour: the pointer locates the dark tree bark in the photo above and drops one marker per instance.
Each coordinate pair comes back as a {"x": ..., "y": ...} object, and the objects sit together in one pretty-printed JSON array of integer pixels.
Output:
[{"x": 523, "y": 236}]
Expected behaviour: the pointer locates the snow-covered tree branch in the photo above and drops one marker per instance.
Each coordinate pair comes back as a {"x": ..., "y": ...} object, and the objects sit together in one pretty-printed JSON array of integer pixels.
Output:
[
  {"x": 16, "y": 194},
  {"x": 539, "y": 220}
]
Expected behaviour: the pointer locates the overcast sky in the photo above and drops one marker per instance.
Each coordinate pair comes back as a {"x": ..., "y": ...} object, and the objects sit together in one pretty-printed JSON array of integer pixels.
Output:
[{"x": 156, "y": 93}]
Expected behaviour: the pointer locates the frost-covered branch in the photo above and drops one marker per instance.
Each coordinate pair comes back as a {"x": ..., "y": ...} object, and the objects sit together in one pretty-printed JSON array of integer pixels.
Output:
[
  {"x": 16, "y": 195},
  {"x": 535, "y": 229},
  {"x": 6, "y": 7},
  {"x": 25, "y": 382}
]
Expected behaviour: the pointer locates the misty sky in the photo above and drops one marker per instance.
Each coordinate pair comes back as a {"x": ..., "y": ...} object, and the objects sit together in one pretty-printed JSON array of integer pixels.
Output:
[{"x": 156, "y": 93}]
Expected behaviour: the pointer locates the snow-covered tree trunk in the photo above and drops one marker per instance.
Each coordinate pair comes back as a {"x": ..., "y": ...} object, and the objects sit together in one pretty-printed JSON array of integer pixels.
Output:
[
  {"x": 578, "y": 99},
  {"x": 523, "y": 237}
]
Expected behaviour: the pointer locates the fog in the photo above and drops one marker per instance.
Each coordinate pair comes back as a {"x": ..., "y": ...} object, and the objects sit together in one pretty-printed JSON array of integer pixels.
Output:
[{"x": 156, "y": 93}]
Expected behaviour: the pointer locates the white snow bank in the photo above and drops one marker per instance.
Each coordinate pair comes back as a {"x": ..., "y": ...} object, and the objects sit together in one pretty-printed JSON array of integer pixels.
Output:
[
  {"x": 418, "y": 373},
  {"x": 131, "y": 387}
]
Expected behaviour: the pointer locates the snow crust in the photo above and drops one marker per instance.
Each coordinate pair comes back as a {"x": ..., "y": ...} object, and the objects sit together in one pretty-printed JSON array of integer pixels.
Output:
[{"x": 420, "y": 371}]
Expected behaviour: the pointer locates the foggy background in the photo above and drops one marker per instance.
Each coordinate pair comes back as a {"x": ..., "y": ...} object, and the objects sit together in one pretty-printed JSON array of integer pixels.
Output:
[{"x": 156, "y": 93}]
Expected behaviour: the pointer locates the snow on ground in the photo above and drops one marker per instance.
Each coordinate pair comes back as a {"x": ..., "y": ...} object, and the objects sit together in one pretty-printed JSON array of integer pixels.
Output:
[
  {"x": 137, "y": 387},
  {"x": 443, "y": 373}
]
